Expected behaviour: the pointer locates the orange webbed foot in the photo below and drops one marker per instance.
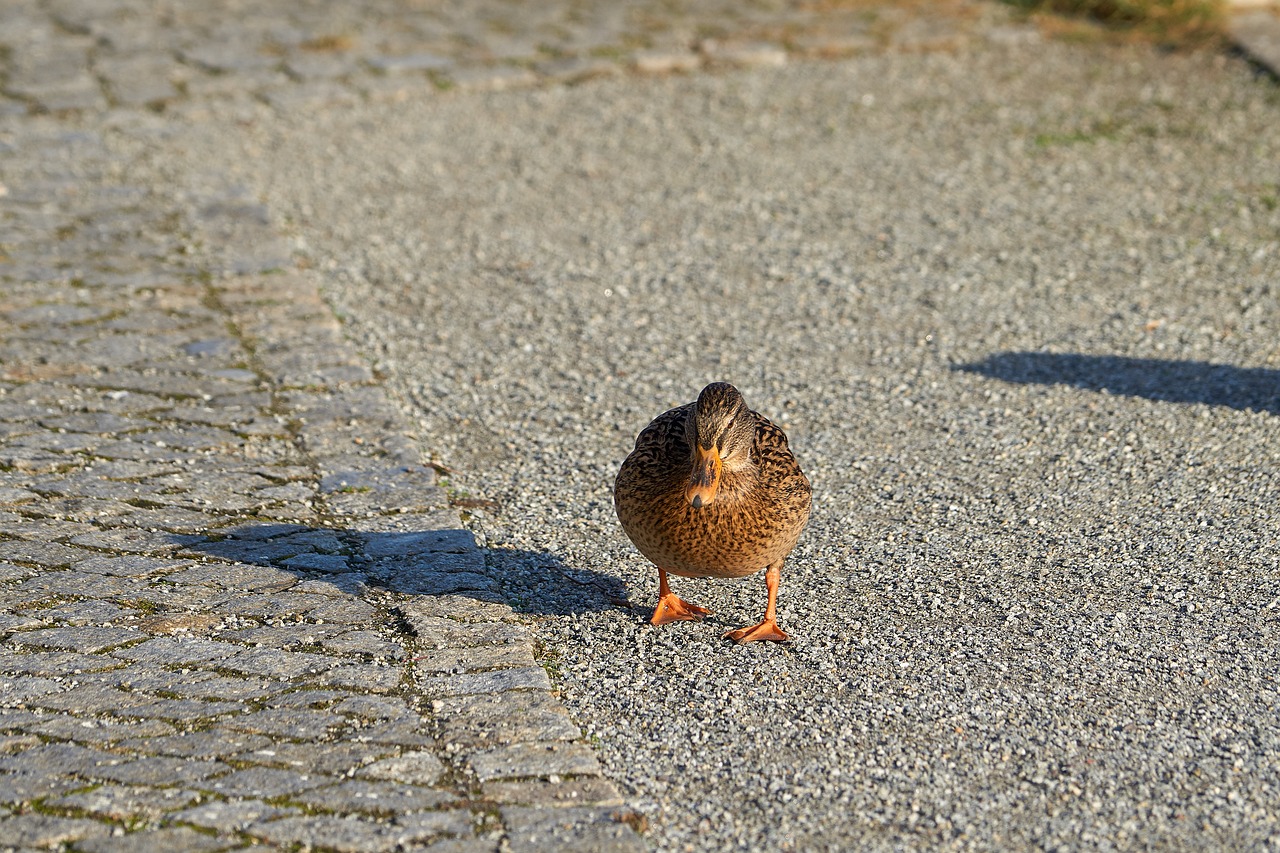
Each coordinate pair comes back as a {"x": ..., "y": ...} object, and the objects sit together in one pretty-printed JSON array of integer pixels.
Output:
[
  {"x": 671, "y": 608},
  {"x": 766, "y": 630}
]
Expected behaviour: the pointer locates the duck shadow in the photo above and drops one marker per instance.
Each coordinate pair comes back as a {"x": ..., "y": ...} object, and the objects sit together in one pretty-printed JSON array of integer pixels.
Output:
[
  {"x": 420, "y": 562},
  {"x": 1166, "y": 380}
]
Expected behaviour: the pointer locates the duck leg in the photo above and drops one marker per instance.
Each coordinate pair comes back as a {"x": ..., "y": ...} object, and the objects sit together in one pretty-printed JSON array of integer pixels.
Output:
[
  {"x": 767, "y": 629},
  {"x": 670, "y": 607}
]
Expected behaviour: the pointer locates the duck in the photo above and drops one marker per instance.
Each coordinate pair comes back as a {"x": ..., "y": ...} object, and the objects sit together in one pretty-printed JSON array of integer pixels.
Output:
[{"x": 712, "y": 490}]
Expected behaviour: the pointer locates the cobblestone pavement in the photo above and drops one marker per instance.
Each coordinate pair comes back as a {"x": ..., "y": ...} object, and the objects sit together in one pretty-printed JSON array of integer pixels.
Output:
[
  {"x": 236, "y": 607},
  {"x": 91, "y": 54}
]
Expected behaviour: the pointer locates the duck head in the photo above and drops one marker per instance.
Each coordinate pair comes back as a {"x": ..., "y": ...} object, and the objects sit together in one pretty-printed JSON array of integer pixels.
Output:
[{"x": 721, "y": 435}]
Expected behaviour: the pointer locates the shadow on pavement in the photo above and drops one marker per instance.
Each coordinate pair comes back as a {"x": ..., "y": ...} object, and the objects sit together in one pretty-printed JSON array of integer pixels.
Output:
[
  {"x": 1252, "y": 388},
  {"x": 425, "y": 562}
]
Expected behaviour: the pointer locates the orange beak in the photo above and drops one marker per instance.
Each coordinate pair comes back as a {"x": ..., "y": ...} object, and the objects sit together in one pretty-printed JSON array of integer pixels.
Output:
[{"x": 705, "y": 480}]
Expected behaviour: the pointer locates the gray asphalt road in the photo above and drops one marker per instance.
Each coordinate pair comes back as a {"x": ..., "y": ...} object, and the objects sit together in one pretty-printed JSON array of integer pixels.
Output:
[{"x": 1018, "y": 308}]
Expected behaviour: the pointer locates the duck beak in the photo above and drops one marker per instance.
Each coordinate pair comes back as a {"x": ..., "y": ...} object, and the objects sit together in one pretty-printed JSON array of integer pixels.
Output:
[{"x": 705, "y": 479}]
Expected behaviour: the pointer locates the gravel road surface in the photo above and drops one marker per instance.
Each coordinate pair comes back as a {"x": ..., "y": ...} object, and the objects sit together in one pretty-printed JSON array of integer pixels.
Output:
[{"x": 1018, "y": 307}]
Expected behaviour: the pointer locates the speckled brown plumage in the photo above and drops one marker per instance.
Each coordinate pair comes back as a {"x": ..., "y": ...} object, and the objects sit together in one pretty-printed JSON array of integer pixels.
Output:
[{"x": 757, "y": 507}]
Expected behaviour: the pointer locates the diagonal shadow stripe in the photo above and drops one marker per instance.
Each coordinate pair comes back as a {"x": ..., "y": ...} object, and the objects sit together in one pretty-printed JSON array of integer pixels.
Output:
[{"x": 1167, "y": 380}]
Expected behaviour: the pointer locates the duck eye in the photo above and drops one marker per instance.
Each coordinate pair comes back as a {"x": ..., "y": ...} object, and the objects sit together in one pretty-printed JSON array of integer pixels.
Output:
[{"x": 724, "y": 433}]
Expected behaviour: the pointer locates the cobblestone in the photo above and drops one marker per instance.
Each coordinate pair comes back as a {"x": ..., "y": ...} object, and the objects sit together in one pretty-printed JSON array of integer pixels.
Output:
[
  {"x": 35, "y": 830},
  {"x": 421, "y": 768},
  {"x": 570, "y": 829},
  {"x": 336, "y": 758},
  {"x": 534, "y": 759},
  {"x": 496, "y": 681},
  {"x": 121, "y": 802},
  {"x": 349, "y": 834},
  {"x": 157, "y": 841},
  {"x": 82, "y": 639},
  {"x": 586, "y": 791},
  {"x": 231, "y": 815},
  {"x": 476, "y": 659},
  {"x": 214, "y": 743},
  {"x": 267, "y": 782},
  {"x": 160, "y": 771},
  {"x": 382, "y": 798}
]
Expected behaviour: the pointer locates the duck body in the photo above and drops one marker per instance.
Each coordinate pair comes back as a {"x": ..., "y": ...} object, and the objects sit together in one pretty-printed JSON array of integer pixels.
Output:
[
  {"x": 756, "y": 519},
  {"x": 712, "y": 490}
]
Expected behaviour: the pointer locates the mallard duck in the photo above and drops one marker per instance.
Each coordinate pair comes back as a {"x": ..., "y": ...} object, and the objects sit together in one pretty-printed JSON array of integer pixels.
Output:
[{"x": 711, "y": 490}]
